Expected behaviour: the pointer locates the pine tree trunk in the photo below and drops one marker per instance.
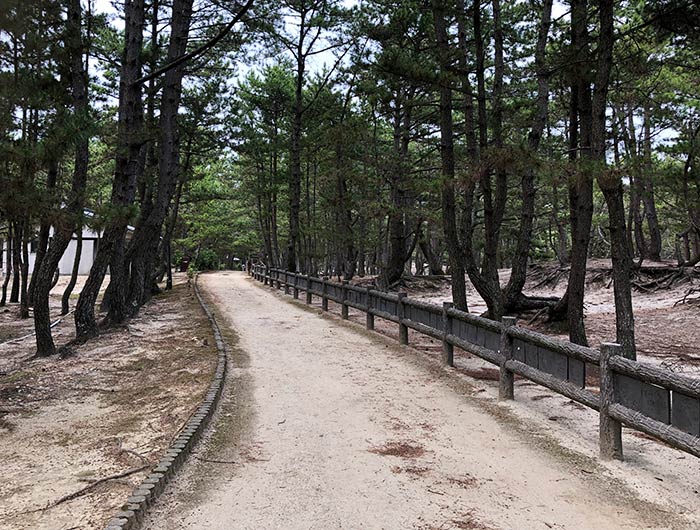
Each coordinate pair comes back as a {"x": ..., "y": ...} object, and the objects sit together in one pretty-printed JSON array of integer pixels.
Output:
[
  {"x": 8, "y": 261},
  {"x": 44, "y": 229},
  {"x": 396, "y": 229},
  {"x": 432, "y": 259},
  {"x": 63, "y": 231},
  {"x": 24, "y": 281},
  {"x": 654, "y": 248},
  {"x": 127, "y": 167},
  {"x": 581, "y": 182},
  {"x": 295, "y": 156},
  {"x": 611, "y": 185},
  {"x": 144, "y": 244},
  {"x": 513, "y": 292},
  {"x": 16, "y": 262},
  {"x": 65, "y": 299},
  {"x": 169, "y": 230},
  {"x": 447, "y": 157}
]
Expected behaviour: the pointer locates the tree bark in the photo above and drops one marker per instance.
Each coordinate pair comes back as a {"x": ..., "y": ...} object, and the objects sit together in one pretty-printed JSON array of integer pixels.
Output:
[
  {"x": 581, "y": 180},
  {"x": 611, "y": 185},
  {"x": 169, "y": 230},
  {"x": 129, "y": 144},
  {"x": 44, "y": 229},
  {"x": 8, "y": 261},
  {"x": 144, "y": 244},
  {"x": 399, "y": 249},
  {"x": 295, "y": 149},
  {"x": 64, "y": 228},
  {"x": 433, "y": 259},
  {"x": 447, "y": 157},
  {"x": 65, "y": 299},
  {"x": 513, "y": 291},
  {"x": 24, "y": 280},
  {"x": 16, "y": 262},
  {"x": 654, "y": 247}
]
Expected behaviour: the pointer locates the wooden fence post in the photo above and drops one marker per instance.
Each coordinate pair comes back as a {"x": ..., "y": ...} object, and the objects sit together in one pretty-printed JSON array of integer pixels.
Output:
[
  {"x": 277, "y": 279},
  {"x": 448, "y": 350},
  {"x": 506, "y": 378},
  {"x": 324, "y": 296},
  {"x": 370, "y": 316},
  {"x": 344, "y": 298},
  {"x": 610, "y": 430},
  {"x": 286, "y": 283},
  {"x": 308, "y": 289},
  {"x": 403, "y": 329},
  {"x": 296, "y": 286}
]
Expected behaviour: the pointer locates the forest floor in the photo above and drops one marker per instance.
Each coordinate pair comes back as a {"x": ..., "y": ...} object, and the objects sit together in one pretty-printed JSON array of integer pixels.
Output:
[
  {"x": 112, "y": 406},
  {"x": 325, "y": 425}
]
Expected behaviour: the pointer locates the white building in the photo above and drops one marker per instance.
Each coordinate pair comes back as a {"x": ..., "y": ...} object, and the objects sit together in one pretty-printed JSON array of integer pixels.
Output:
[{"x": 65, "y": 266}]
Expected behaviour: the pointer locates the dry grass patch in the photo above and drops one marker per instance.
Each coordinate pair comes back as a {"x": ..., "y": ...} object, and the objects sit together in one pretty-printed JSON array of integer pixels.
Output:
[
  {"x": 399, "y": 449},
  {"x": 114, "y": 405}
]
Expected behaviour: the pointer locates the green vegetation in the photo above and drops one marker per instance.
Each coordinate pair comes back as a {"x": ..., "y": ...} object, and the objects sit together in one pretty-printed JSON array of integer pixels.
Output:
[{"x": 385, "y": 137}]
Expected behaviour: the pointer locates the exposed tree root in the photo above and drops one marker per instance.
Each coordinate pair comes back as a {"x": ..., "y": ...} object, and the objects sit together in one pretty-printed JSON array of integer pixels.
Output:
[
  {"x": 89, "y": 487},
  {"x": 686, "y": 298}
]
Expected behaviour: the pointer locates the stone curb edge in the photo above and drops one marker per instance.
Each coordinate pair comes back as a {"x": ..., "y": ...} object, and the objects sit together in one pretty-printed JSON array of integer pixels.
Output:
[{"x": 134, "y": 510}]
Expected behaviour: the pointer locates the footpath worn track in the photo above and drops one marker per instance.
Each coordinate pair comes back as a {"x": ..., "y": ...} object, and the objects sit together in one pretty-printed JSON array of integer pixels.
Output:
[{"x": 325, "y": 426}]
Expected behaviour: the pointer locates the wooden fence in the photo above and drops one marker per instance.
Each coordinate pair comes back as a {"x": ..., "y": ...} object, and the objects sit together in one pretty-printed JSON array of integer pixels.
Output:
[{"x": 656, "y": 401}]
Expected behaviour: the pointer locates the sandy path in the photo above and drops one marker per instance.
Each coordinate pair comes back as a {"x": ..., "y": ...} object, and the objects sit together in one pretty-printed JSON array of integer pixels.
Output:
[{"x": 328, "y": 427}]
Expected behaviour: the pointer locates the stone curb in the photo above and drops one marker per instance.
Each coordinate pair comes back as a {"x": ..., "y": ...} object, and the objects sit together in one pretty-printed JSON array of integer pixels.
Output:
[{"x": 133, "y": 511}]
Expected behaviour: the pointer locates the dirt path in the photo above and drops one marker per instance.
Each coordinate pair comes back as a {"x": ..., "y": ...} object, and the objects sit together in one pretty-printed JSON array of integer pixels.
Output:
[{"x": 329, "y": 427}]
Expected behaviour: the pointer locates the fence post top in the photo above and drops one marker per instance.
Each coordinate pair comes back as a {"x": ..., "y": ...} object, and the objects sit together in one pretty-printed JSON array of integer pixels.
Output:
[
  {"x": 509, "y": 321},
  {"x": 611, "y": 348}
]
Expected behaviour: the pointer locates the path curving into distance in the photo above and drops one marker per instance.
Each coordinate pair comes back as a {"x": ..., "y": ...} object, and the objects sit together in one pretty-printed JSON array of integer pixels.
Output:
[{"x": 325, "y": 426}]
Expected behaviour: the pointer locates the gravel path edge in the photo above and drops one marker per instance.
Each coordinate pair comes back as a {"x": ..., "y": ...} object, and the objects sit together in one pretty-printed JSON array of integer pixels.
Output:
[{"x": 134, "y": 510}]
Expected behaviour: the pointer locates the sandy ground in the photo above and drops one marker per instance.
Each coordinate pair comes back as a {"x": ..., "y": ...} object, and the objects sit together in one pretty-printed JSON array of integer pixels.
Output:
[
  {"x": 14, "y": 330},
  {"x": 112, "y": 406},
  {"x": 327, "y": 426}
]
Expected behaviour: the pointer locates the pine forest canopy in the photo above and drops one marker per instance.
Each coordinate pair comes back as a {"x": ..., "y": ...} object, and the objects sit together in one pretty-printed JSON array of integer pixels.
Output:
[{"x": 382, "y": 138}]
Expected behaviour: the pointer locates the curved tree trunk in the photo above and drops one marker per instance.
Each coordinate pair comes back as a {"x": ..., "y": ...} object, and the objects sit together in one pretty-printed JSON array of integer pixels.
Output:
[
  {"x": 8, "y": 260},
  {"x": 64, "y": 228},
  {"x": 65, "y": 299},
  {"x": 44, "y": 229},
  {"x": 611, "y": 184},
  {"x": 16, "y": 262},
  {"x": 581, "y": 181},
  {"x": 513, "y": 291},
  {"x": 24, "y": 281},
  {"x": 143, "y": 248},
  {"x": 447, "y": 157},
  {"x": 127, "y": 167}
]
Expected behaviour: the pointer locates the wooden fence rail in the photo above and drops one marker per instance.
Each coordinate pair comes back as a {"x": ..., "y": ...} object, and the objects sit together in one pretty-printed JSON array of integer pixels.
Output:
[{"x": 656, "y": 401}]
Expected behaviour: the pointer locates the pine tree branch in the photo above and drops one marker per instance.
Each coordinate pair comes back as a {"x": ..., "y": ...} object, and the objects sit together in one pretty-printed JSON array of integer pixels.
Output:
[{"x": 199, "y": 51}]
